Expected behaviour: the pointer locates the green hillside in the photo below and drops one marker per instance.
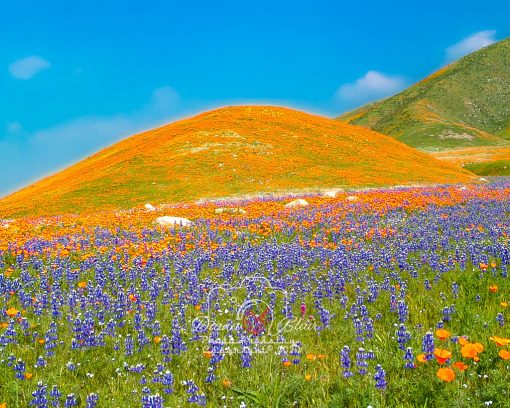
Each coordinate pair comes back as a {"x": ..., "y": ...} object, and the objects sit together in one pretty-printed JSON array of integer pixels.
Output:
[{"x": 467, "y": 103}]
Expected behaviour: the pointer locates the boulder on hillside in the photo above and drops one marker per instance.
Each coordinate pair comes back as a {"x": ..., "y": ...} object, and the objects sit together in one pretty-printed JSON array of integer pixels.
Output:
[
  {"x": 300, "y": 202},
  {"x": 330, "y": 194},
  {"x": 230, "y": 210},
  {"x": 6, "y": 223},
  {"x": 149, "y": 207},
  {"x": 167, "y": 221}
]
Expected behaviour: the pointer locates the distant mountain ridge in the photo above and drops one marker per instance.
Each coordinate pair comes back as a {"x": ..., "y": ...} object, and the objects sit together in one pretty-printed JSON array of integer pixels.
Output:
[
  {"x": 466, "y": 103},
  {"x": 228, "y": 152}
]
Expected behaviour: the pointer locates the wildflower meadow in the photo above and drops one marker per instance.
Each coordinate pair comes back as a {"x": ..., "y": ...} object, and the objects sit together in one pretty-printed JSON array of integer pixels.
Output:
[{"x": 382, "y": 298}]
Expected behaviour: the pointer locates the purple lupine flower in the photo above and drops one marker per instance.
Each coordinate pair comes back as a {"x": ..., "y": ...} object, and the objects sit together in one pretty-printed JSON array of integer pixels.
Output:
[
  {"x": 195, "y": 397},
  {"x": 403, "y": 311},
  {"x": 448, "y": 312},
  {"x": 409, "y": 358},
  {"x": 91, "y": 401},
  {"x": 176, "y": 342},
  {"x": 403, "y": 336},
  {"x": 246, "y": 352},
  {"x": 428, "y": 345},
  {"x": 168, "y": 382},
  {"x": 40, "y": 362},
  {"x": 50, "y": 339},
  {"x": 380, "y": 377},
  {"x": 151, "y": 401},
  {"x": 165, "y": 349},
  {"x": 55, "y": 396},
  {"x": 216, "y": 349},
  {"x": 296, "y": 352},
  {"x": 19, "y": 368},
  {"x": 39, "y": 400},
  {"x": 361, "y": 361},
  {"x": 129, "y": 345},
  {"x": 345, "y": 361},
  {"x": 369, "y": 327},
  {"x": 455, "y": 290},
  {"x": 500, "y": 319},
  {"x": 71, "y": 401},
  {"x": 358, "y": 328}
]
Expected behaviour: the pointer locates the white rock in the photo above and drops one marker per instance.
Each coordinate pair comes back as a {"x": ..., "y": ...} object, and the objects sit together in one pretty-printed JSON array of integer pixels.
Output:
[
  {"x": 149, "y": 207},
  {"x": 6, "y": 223},
  {"x": 230, "y": 210},
  {"x": 352, "y": 198},
  {"x": 297, "y": 203},
  {"x": 167, "y": 221},
  {"x": 330, "y": 194}
]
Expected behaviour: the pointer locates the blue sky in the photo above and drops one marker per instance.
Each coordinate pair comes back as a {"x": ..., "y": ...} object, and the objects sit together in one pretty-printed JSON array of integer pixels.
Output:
[{"x": 77, "y": 76}]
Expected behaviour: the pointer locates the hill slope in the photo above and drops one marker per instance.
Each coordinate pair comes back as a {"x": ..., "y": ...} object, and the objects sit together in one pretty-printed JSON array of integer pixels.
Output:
[
  {"x": 467, "y": 103},
  {"x": 230, "y": 151}
]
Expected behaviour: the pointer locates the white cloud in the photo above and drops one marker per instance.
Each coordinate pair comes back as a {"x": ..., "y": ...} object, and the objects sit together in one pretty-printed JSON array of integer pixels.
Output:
[
  {"x": 373, "y": 85},
  {"x": 28, "y": 67},
  {"x": 470, "y": 44}
]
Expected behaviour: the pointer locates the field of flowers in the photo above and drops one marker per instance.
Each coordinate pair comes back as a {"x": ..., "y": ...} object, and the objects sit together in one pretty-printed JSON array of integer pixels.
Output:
[{"x": 397, "y": 297}]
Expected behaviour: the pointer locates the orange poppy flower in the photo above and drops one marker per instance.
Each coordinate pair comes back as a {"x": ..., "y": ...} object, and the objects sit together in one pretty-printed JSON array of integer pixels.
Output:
[
  {"x": 208, "y": 354},
  {"x": 132, "y": 298},
  {"x": 493, "y": 288},
  {"x": 157, "y": 339},
  {"x": 311, "y": 356},
  {"x": 446, "y": 374},
  {"x": 459, "y": 365},
  {"x": 500, "y": 341},
  {"x": 504, "y": 354},
  {"x": 11, "y": 312},
  {"x": 442, "y": 355},
  {"x": 321, "y": 356},
  {"x": 226, "y": 383},
  {"x": 198, "y": 307},
  {"x": 504, "y": 304},
  {"x": 442, "y": 334},
  {"x": 478, "y": 347},
  {"x": 287, "y": 363},
  {"x": 463, "y": 341},
  {"x": 421, "y": 358},
  {"x": 308, "y": 377},
  {"x": 28, "y": 376},
  {"x": 471, "y": 350},
  {"x": 82, "y": 284}
]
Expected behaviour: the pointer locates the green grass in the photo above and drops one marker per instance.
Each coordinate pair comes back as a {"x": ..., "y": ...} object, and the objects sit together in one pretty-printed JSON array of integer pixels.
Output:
[
  {"x": 268, "y": 384},
  {"x": 469, "y": 98},
  {"x": 493, "y": 168}
]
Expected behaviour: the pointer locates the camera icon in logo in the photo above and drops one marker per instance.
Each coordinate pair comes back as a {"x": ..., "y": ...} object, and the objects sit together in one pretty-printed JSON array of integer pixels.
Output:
[{"x": 252, "y": 308}]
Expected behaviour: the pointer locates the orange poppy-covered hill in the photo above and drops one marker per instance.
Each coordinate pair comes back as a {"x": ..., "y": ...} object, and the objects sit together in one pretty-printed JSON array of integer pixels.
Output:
[{"x": 230, "y": 151}]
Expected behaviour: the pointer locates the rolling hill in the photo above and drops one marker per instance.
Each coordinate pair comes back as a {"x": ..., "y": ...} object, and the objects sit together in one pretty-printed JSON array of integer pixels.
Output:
[
  {"x": 465, "y": 104},
  {"x": 227, "y": 152}
]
